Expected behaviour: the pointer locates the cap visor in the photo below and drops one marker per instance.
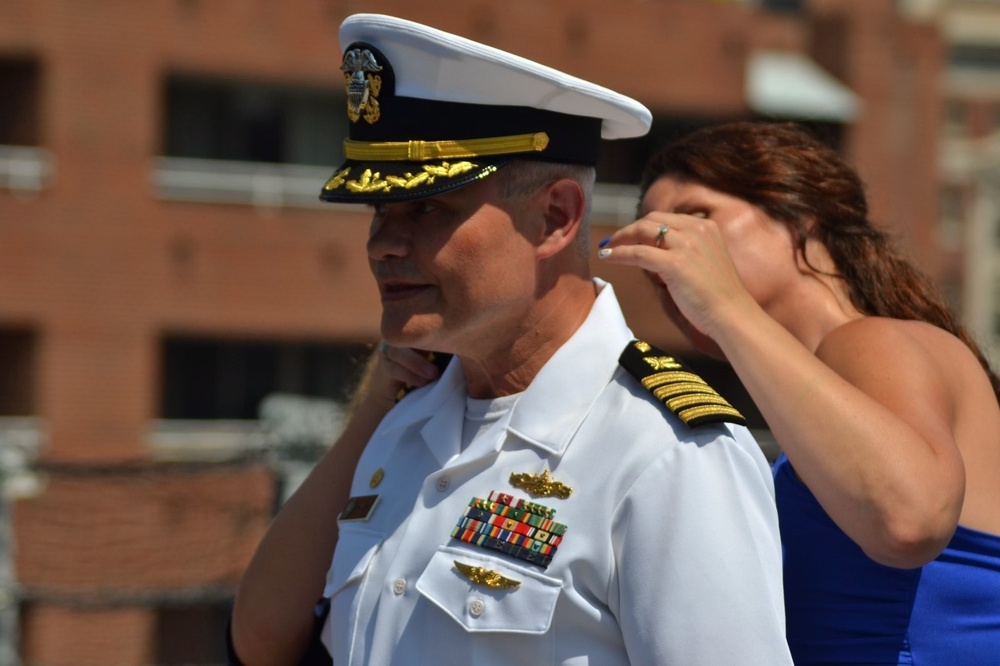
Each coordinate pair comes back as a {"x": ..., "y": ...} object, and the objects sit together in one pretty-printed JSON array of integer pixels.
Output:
[{"x": 371, "y": 182}]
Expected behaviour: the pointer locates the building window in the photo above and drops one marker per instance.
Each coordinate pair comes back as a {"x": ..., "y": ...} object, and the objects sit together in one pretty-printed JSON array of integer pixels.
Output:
[
  {"x": 17, "y": 380},
  {"x": 24, "y": 166},
  {"x": 622, "y": 161},
  {"x": 955, "y": 118},
  {"x": 974, "y": 56},
  {"x": 784, "y": 6},
  {"x": 191, "y": 634},
  {"x": 951, "y": 225},
  {"x": 222, "y": 119},
  {"x": 210, "y": 378},
  {"x": 20, "y": 110}
]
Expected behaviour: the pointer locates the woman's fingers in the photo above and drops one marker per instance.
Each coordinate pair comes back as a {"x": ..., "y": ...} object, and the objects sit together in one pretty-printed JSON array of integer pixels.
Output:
[
  {"x": 647, "y": 257},
  {"x": 651, "y": 230},
  {"x": 408, "y": 366},
  {"x": 686, "y": 255}
]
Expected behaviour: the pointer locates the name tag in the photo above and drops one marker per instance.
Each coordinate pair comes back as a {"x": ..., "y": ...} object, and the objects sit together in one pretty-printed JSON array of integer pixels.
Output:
[{"x": 359, "y": 508}]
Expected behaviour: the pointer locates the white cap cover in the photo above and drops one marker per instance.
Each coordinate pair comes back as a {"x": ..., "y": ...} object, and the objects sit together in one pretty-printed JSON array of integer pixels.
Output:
[{"x": 430, "y": 111}]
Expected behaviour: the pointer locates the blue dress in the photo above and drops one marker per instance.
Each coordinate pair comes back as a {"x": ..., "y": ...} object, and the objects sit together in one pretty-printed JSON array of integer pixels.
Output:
[{"x": 844, "y": 608}]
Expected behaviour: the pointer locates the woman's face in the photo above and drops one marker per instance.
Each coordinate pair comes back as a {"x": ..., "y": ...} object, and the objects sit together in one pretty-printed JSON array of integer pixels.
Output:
[{"x": 761, "y": 248}]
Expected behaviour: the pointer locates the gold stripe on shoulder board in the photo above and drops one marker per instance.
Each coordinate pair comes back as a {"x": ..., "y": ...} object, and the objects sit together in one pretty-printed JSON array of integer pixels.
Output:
[{"x": 677, "y": 388}]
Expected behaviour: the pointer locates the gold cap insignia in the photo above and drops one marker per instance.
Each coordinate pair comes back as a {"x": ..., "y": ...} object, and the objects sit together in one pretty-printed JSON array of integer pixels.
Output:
[{"x": 363, "y": 85}]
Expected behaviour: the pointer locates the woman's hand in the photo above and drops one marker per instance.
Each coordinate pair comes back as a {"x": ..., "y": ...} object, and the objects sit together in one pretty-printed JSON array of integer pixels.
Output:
[
  {"x": 273, "y": 612},
  {"x": 392, "y": 371},
  {"x": 686, "y": 257}
]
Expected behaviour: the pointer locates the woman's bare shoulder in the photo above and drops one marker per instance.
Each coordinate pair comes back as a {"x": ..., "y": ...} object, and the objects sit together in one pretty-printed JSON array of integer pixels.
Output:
[
  {"x": 905, "y": 349},
  {"x": 881, "y": 332}
]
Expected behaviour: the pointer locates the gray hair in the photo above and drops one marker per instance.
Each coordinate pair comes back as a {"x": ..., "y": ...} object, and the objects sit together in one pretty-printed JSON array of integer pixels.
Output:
[{"x": 523, "y": 177}]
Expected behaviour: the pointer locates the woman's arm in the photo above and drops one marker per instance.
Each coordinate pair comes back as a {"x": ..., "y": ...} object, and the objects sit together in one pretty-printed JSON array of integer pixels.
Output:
[
  {"x": 866, "y": 423},
  {"x": 272, "y": 618},
  {"x": 859, "y": 406}
]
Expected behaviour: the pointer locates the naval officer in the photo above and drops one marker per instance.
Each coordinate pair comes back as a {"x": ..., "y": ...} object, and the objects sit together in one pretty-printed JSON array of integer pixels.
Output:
[{"x": 563, "y": 493}]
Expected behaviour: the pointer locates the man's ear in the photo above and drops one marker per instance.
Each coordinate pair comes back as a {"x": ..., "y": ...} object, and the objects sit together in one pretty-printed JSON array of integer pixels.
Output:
[{"x": 563, "y": 205}]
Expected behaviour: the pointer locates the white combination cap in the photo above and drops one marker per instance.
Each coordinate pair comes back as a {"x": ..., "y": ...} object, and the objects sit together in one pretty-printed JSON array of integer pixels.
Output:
[{"x": 430, "y": 111}]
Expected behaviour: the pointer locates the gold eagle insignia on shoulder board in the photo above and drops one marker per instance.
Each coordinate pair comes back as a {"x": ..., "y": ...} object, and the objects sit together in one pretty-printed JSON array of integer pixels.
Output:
[{"x": 674, "y": 385}]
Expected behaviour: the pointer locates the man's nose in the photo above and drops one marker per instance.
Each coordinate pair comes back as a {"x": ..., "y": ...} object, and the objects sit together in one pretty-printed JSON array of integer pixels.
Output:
[{"x": 389, "y": 235}]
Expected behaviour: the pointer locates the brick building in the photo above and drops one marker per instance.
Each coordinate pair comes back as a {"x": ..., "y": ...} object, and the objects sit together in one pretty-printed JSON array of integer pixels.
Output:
[
  {"x": 970, "y": 198},
  {"x": 165, "y": 265}
]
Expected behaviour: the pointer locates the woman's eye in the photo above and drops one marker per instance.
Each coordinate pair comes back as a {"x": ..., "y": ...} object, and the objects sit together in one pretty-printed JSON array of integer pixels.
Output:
[{"x": 692, "y": 211}]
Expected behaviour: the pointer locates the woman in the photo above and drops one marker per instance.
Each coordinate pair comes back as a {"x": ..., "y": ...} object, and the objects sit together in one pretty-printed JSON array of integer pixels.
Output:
[
  {"x": 886, "y": 411},
  {"x": 275, "y": 617}
]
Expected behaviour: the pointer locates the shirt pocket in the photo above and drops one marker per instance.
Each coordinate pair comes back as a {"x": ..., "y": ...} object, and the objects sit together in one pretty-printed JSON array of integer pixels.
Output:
[
  {"x": 525, "y": 609},
  {"x": 356, "y": 547}
]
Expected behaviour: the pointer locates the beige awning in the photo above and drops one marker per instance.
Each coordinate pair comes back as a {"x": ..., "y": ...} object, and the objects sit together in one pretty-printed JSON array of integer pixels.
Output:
[{"x": 791, "y": 85}]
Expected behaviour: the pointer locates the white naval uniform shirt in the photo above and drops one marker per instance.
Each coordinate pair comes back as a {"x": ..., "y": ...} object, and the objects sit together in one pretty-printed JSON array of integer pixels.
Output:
[{"x": 671, "y": 553}]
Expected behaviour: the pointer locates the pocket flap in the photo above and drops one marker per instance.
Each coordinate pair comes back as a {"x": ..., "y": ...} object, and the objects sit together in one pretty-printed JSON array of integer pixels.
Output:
[
  {"x": 355, "y": 548},
  {"x": 526, "y": 608}
]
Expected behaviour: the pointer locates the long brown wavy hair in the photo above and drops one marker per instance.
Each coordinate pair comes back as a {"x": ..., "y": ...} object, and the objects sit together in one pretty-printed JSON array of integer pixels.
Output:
[{"x": 796, "y": 179}]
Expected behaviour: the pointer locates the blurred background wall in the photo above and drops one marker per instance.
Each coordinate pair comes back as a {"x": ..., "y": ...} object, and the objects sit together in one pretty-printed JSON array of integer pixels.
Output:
[{"x": 181, "y": 321}]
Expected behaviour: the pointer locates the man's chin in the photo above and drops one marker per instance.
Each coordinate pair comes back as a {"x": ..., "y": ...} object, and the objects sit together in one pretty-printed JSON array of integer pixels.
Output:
[{"x": 411, "y": 335}]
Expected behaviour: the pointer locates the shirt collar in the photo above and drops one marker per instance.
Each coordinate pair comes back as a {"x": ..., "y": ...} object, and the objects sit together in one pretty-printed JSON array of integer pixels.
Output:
[
  {"x": 552, "y": 406},
  {"x": 564, "y": 390}
]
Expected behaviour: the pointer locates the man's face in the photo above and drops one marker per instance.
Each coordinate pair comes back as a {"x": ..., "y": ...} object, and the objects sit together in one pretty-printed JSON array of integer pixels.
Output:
[{"x": 456, "y": 272}]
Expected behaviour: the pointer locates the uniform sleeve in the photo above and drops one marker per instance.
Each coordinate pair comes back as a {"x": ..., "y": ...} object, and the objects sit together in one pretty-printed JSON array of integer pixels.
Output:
[{"x": 698, "y": 559}]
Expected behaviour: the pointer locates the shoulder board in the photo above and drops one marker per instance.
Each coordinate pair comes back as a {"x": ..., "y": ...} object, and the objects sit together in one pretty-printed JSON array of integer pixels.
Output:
[
  {"x": 672, "y": 383},
  {"x": 439, "y": 359}
]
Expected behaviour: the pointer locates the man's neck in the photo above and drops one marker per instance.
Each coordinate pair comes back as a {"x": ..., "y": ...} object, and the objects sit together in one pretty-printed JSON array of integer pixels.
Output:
[{"x": 553, "y": 320}]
